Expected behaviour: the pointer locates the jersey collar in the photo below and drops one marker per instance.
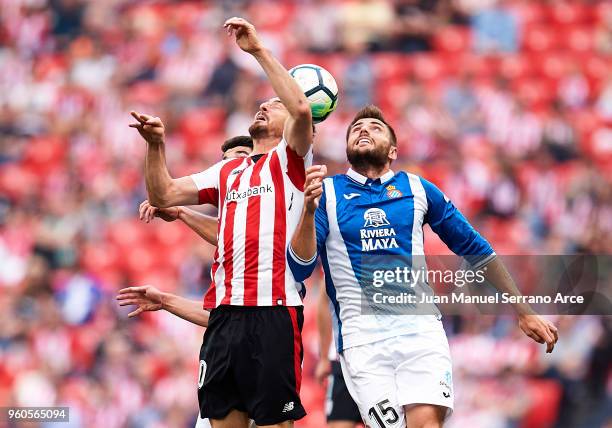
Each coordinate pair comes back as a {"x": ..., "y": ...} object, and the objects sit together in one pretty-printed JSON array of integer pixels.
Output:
[{"x": 362, "y": 179}]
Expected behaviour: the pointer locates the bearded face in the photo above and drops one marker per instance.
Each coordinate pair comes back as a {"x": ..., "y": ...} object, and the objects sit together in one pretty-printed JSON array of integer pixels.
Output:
[
  {"x": 270, "y": 120},
  {"x": 369, "y": 144}
]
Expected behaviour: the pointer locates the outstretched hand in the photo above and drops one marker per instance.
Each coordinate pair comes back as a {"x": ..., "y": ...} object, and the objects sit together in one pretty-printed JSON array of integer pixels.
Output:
[
  {"x": 246, "y": 36},
  {"x": 146, "y": 298},
  {"x": 313, "y": 187},
  {"x": 540, "y": 330},
  {"x": 151, "y": 128}
]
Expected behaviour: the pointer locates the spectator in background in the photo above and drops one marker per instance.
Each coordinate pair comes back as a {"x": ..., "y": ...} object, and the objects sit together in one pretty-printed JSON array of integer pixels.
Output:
[
  {"x": 603, "y": 105},
  {"x": 430, "y": 127},
  {"x": 67, "y": 19},
  {"x": 558, "y": 135},
  {"x": 461, "y": 102},
  {"x": 358, "y": 78},
  {"x": 496, "y": 29},
  {"x": 417, "y": 21},
  {"x": 503, "y": 195},
  {"x": 521, "y": 131},
  {"x": 224, "y": 76},
  {"x": 366, "y": 22},
  {"x": 573, "y": 89},
  {"x": 317, "y": 26},
  {"x": 603, "y": 33}
]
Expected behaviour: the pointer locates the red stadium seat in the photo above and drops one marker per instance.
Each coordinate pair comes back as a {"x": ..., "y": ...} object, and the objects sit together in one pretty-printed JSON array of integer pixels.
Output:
[
  {"x": 147, "y": 92},
  {"x": 515, "y": 67},
  {"x": 199, "y": 123},
  {"x": 552, "y": 66},
  {"x": 479, "y": 66},
  {"x": 126, "y": 233},
  {"x": 570, "y": 13},
  {"x": 453, "y": 39},
  {"x": 602, "y": 11},
  {"x": 17, "y": 181},
  {"x": 531, "y": 12},
  {"x": 545, "y": 399},
  {"x": 536, "y": 93},
  {"x": 596, "y": 69},
  {"x": 390, "y": 66},
  {"x": 540, "y": 38},
  {"x": 99, "y": 258},
  {"x": 43, "y": 155},
  {"x": 430, "y": 67},
  {"x": 160, "y": 278},
  {"x": 271, "y": 16},
  {"x": 579, "y": 39}
]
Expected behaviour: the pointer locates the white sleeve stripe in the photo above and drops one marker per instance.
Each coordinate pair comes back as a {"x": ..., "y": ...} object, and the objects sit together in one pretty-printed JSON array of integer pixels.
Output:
[
  {"x": 300, "y": 260},
  {"x": 485, "y": 261}
]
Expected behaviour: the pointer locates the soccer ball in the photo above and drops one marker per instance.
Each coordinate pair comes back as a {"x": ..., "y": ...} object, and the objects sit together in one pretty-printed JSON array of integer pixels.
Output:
[{"x": 319, "y": 87}]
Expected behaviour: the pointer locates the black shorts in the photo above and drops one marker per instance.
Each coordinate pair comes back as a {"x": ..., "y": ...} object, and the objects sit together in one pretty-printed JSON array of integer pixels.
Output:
[
  {"x": 251, "y": 360},
  {"x": 340, "y": 405}
]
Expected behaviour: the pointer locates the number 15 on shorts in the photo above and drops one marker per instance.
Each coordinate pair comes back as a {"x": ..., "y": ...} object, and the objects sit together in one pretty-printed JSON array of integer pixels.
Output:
[{"x": 383, "y": 414}]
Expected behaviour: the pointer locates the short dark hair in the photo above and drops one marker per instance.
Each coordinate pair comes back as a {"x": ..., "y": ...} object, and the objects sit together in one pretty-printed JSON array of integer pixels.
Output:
[
  {"x": 239, "y": 141},
  {"x": 372, "y": 112}
]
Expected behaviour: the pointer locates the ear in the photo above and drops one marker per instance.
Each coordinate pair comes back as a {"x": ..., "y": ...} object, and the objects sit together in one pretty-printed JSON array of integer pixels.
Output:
[{"x": 393, "y": 153}]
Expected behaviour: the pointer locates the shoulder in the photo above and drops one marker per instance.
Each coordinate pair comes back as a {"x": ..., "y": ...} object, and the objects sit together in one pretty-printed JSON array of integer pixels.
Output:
[
  {"x": 418, "y": 183},
  {"x": 223, "y": 163},
  {"x": 334, "y": 181}
]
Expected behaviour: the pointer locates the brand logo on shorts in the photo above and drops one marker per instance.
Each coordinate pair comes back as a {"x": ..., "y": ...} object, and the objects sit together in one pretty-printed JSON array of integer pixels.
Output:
[
  {"x": 288, "y": 407},
  {"x": 446, "y": 384},
  {"x": 201, "y": 373}
]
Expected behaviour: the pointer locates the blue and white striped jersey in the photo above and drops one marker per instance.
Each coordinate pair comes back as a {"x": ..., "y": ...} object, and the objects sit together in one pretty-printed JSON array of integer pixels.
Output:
[{"x": 359, "y": 219}]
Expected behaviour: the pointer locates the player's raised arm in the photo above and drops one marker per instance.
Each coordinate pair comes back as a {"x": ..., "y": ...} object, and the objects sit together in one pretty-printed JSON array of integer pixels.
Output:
[
  {"x": 459, "y": 235},
  {"x": 533, "y": 325},
  {"x": 148, "y": 298},
  {"x": 298, "y": 128},
  {"x": 312, "y": 227},
  {"x": 164, "y": 191},
  {"x": 204, "y": 225}
]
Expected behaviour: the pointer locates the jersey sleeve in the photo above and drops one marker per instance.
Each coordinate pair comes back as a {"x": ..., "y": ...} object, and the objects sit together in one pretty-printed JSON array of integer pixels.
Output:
[
  {"x": 302, "y": 269},
  {"x": 207, "y": 183},
  {"x": 453, "y": 228},
  {"x": 292, "y": 164}
]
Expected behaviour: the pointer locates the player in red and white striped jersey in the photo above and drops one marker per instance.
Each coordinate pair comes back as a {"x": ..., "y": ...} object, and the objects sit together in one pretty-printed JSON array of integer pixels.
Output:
[{"x": 252, "y": 351}]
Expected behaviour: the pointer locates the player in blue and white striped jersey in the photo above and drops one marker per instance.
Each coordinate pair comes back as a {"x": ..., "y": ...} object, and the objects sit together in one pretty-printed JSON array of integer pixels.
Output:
[{"x": 397, "y": 367}]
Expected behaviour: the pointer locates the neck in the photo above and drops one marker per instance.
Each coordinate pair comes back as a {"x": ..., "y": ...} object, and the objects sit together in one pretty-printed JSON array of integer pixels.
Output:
[
  {"x": 264, "y": 145},
  {"x": 371, "y": 171}
]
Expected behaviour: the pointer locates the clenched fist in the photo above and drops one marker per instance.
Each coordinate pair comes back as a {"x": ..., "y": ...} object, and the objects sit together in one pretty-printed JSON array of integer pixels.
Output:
[{"x": 313, "y": 187}]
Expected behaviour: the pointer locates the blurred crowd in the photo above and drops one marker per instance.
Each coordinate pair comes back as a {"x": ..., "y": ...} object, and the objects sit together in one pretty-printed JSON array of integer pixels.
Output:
[{"x": 505, "y": 104}]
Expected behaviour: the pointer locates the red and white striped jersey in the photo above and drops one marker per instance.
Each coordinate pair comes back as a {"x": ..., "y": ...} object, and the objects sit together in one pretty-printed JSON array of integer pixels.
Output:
[{"x": 260, "y": 204}]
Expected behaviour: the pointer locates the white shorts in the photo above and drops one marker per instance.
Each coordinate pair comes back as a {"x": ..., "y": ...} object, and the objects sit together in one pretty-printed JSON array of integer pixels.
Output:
[{"x": 409, "y": 369}]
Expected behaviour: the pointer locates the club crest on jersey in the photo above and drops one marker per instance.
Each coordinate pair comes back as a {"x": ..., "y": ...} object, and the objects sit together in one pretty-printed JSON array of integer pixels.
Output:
[
  {"x": 375, "y": 217},
  {"x": 393, "y": 192}
]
